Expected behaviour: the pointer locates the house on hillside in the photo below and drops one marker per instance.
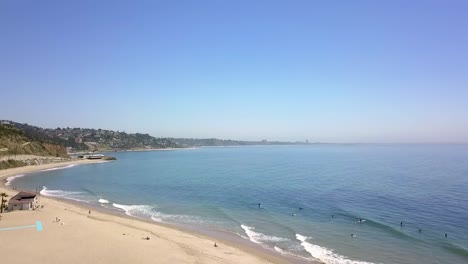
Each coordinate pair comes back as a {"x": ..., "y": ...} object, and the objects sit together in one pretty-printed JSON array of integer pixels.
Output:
[{"x": 23, "y": 201}]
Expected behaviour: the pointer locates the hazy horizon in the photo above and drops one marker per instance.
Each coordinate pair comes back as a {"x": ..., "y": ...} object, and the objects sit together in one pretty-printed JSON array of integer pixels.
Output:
[{"x": 332, "y": 72}]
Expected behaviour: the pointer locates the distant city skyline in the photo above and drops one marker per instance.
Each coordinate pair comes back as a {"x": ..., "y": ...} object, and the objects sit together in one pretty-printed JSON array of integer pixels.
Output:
[{"x": 334, "y": 71}]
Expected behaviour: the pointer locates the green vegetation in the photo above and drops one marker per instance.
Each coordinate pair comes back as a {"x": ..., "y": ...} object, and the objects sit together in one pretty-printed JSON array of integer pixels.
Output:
[
  {"x": 14, "y": 141},
  {"x": 87, "y": 139},
  {"x": 27, "y": 139},
  {"x": 8, "y": 164}
]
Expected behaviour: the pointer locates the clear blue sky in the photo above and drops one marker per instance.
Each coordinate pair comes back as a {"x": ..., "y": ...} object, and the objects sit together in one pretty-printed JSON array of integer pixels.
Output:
[{"x": 330, "y": 71}]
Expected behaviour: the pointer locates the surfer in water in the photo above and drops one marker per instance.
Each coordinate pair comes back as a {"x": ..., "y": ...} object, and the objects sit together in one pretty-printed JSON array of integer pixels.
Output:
[{"x": 259, "y": 205}]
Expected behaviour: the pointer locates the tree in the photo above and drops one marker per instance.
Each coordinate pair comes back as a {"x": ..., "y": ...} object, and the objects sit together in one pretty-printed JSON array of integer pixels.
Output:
[{"x": 2, "y": 205}]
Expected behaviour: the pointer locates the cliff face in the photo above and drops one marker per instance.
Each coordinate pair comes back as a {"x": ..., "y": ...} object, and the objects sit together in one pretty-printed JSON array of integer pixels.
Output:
[{"x": 14, "y": 142}]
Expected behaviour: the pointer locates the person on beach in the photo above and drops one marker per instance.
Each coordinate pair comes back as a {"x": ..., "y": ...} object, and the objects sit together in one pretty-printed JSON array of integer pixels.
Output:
[
  {"x": 215, "y": 245},
  {"x": 401, "y": 224},
  {"x": 445, "y": 235},
  {"x": 89, "y": 212}
]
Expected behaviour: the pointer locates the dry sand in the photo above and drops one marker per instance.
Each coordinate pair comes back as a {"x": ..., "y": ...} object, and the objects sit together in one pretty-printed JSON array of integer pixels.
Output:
[{"x": 80, "y": 237}]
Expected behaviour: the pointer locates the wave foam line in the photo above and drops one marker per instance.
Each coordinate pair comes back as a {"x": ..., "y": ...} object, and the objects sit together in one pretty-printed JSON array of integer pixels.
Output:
[
  {"x": 185, "y": 219},
  {"x": 324, "y": 254},
  {"x": 62, "y": 194},
  {"x": 61, "y": 168},
  {"x": 148, "y": 211},
  {"x": 258, "y": 237},
  {"x": 103, "y": 201},
  {"x": 10, "y": 179},
  {"x": 280, "y": 250},
  {"x": 135, "y": 210}
]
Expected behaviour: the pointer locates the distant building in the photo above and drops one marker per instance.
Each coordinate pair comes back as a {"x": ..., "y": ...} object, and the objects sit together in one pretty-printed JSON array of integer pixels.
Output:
[
  {"x": 91, "y": 156},
  {"x": 23, "y": 201}
]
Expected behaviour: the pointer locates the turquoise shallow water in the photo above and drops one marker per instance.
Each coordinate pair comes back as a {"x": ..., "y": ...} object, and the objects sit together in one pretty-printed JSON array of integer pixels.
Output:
[{"x": 312, "y": 197}]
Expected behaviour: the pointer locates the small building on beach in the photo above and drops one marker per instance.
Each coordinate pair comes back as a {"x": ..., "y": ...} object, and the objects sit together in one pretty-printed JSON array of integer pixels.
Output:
[{"x": 23, "y": 201}]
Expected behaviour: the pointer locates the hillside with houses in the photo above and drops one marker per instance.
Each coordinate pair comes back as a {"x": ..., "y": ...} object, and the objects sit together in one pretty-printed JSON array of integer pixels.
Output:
[{"x": 88, "y": 139}]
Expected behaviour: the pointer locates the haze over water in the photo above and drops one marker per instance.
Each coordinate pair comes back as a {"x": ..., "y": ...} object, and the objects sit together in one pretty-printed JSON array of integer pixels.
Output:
[{"x": 423, "y": 186}]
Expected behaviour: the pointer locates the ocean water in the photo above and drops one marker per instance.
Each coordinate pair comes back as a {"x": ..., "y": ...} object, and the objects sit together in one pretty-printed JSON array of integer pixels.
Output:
[{"x": 312, "y": 197}]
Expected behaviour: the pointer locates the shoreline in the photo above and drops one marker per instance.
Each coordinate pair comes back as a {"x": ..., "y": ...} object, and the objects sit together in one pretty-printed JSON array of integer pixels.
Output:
[{"x": 229, "y": 250}]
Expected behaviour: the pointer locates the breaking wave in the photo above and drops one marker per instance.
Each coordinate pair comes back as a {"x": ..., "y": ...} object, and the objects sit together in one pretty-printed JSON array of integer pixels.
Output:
[
  {"x": 10, "y": 179},
  {"x": 76, "y": 196},
  {"x": 103, "y": 201},
  {"x": 136, "y": 210},
  {"x": 258, "y": 237},
  {"x": 148, "y": 211},
  {"x": 280, "y": 250},
  {"x": 324, "y": 254},
  {"x": 183, "y": 219}
]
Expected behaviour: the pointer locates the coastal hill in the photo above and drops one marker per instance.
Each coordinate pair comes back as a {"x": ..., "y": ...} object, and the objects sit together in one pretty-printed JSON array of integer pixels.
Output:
[
  {"x": 17, "y": 149},
  {"x": 88, "y": 139},
  {"x": 13, "y": 141}
]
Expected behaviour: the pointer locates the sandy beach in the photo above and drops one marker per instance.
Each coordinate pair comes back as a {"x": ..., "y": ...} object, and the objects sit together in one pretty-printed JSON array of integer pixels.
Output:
[{"x": 98, "y": 237}]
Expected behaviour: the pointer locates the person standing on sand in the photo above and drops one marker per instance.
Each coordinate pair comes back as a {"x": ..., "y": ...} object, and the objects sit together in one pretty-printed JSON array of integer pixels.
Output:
[{"x": 89, "y": 212}]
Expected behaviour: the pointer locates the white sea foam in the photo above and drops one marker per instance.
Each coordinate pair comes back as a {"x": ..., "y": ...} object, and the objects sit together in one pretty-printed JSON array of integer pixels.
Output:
[
  {"x": 324, "y": 254},
  {"x": 243, "y": 236},
  {"x": 258, "y": 237},
  {"x": 62, "y": 194},
  {"x": 185, "y": 219},
  {"x": 280, "y": 250},
  {"x": 11, "y": 178},
  {"x": 157, "y": 219},
  {"x": 60, "y": 168},
  {"x": 103, "y": 201},
  {"x": 150, "y": 211},
  {"x": 136, "y": 210}
]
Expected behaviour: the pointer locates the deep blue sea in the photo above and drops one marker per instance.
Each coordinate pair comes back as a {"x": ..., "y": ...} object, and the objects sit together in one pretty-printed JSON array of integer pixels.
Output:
[{"x": 335, "y": 203}]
